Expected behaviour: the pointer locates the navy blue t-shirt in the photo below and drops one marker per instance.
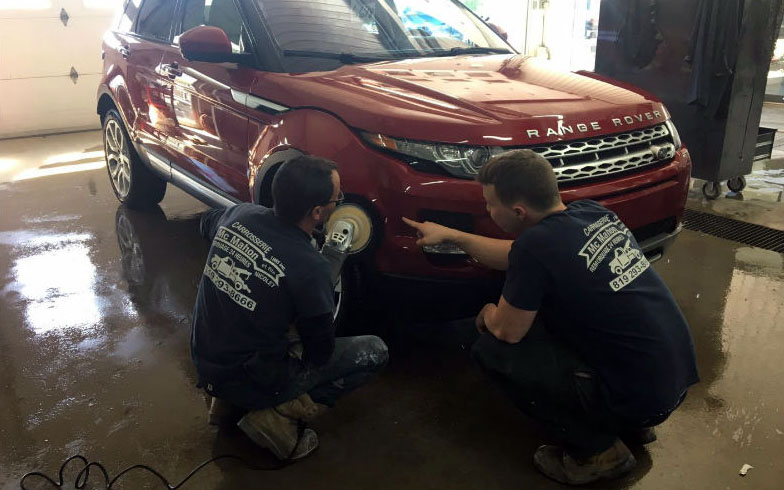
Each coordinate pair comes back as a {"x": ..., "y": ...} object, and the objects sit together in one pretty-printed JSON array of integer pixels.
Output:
[
  {"x": 262, "y": 275},
  {"x": 584, "y": 272}
]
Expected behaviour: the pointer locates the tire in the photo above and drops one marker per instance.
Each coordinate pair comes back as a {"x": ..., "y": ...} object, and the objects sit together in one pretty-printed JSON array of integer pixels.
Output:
[
  {"x": 134, "y": 184},
  {"x": 355, "y": 302},
  {"x": 737, "y": 184},
  {"x": 711, "y": 190}
]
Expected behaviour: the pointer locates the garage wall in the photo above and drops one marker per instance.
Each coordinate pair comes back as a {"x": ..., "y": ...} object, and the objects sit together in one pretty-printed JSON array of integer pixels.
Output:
[{"x": 37, "y": 52}]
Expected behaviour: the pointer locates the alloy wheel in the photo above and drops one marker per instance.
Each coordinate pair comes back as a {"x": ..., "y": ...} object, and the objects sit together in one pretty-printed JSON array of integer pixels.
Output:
[{"x": 118, "y": 158}]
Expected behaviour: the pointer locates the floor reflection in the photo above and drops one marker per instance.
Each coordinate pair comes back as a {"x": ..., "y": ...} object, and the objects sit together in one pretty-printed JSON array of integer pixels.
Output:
[
  {"x": 56, "y": 279},
  {"x": 161, "y": 261}
]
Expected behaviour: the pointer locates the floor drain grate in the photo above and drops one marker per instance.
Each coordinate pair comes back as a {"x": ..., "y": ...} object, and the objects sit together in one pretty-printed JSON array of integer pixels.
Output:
[{"x": 732, "y": 229}]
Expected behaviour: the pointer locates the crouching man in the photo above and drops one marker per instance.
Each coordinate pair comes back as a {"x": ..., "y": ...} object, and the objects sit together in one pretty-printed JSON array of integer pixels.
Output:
[
  {"x": 263, "y": 340},
  {"x": 586, "y": 337}
]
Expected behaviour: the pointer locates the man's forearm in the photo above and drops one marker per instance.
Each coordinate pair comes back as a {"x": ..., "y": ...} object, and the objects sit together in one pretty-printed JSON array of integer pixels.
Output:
[
  {"x": 208, "y": 224},
  {"x": 505, "y": 322},
  {"x": 491, "y": 252},
  {"x": 490, "y": 322}
]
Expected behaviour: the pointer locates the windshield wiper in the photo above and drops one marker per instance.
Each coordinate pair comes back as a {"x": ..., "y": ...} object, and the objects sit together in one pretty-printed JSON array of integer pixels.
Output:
[
  {"x": 351, "y": 58},
  {"x": 471, "y": 50},
  {"x": 347, "y": 58}
]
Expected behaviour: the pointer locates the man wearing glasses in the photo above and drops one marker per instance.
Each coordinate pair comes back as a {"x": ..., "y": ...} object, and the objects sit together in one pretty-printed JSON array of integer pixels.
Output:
[{"x": 263, "y": 339}]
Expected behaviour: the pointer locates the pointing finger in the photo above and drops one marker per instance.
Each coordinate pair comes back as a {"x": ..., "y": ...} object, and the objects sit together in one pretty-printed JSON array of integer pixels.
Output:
[{"x": 411, "y": 223}]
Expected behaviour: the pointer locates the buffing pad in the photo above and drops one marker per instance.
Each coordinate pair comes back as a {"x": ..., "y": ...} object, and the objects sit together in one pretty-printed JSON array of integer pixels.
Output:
[{"x": 363, "y": 226}]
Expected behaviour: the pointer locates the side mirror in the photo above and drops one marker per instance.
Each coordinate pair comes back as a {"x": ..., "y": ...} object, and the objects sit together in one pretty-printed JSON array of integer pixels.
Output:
[
  {"x": 499, "y": 30},
  {"x": 210, "y": 44}
]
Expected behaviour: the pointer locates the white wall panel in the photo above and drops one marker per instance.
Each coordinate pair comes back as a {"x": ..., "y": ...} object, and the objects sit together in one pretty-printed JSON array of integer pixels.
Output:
[
  {"x": 15, "y": 9},
  {"x": 36, "y": 55},
  {"x": 24, "y": 53},
  {"x": 47, "y": 105}
]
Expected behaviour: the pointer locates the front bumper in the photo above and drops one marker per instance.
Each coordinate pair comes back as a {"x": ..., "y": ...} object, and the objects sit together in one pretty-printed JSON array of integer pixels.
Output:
[
  {"x": 640, "y": 199},
  {"x": 655, "y": 247}
]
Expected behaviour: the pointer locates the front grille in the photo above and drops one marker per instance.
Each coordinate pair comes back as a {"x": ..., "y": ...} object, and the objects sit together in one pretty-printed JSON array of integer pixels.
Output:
[{"x": 581, "y": 160}]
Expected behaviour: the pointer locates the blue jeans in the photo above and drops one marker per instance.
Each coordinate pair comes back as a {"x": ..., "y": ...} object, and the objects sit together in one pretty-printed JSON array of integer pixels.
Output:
[{"x": 354, "y": 361}]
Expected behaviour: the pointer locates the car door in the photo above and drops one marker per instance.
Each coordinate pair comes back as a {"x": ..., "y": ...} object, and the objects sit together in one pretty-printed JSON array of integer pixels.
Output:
[
  {"x": 143, "y": 49},
  {"x": 211, "y": 136}
]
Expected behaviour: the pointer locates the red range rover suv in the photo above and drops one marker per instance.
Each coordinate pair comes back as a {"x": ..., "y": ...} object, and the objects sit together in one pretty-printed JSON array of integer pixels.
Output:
[{"x": 409, "y": 97}]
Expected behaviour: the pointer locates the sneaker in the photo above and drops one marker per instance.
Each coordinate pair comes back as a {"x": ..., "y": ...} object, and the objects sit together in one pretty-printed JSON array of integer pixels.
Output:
[
  {"x": 223, "y": 413},
  {"x": 638, "y": 437},
  {"x": 557, "y": 464}
]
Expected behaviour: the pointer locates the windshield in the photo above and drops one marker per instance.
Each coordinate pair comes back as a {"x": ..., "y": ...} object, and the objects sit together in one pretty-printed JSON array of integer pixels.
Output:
[{"x": 314, "y": 34}]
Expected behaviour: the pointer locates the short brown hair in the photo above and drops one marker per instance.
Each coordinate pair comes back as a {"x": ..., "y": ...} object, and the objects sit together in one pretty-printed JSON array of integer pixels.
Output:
[
  {"x": 522, "y": 176},
  {"x": 302, "y": 184}
]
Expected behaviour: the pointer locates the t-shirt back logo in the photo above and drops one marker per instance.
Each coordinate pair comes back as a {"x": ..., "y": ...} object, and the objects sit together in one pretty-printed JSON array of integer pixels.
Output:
[
  {"x": 230, "y": 279},
  {"x": 610, "y": 240},
  {"x": 228, "y": 269},
  {"x": 251, "y": 252},
  {"x": 244, "y": 256}
]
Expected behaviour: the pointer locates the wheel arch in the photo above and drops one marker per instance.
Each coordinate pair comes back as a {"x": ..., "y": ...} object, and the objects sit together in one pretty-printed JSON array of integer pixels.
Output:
[
  {"x": 119, "y": 100},
  {"x": 105, "y": 104},
  {"x": 262, "y": 182}
]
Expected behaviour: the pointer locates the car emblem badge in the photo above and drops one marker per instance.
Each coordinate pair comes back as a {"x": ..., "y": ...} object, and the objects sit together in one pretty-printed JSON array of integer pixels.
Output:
[{"x": 660, "y": 152}]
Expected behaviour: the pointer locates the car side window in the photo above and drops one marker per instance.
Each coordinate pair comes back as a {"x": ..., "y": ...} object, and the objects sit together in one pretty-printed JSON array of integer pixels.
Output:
[
  {"x": 127, "y": 15},
  {"x": 155, "y": 19},
  {"x": 217, "y": 13}
]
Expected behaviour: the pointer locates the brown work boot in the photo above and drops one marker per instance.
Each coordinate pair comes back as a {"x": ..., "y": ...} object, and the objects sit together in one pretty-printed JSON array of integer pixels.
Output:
[
  {"x": 302, "y": 408},
  {"x": 307, "y": 444},
  {"x": 557, "y": 464},
  {"x": 276, "y": 430},
  {"x": 223, "y": 413},
  {"x": 639, "y": 437}
]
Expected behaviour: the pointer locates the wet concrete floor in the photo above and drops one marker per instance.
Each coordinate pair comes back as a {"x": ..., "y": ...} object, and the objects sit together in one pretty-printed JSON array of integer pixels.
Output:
[{"x": 95, "y": 307}]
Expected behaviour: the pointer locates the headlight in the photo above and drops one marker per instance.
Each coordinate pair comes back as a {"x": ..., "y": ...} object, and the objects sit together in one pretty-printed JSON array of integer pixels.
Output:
[
  {"x": 459, "y": 161},
  {"x": 676, "y": 138}
]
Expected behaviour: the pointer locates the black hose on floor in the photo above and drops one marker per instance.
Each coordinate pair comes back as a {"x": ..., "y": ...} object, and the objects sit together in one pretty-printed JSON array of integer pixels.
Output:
[{"x": 84, "y": 474}]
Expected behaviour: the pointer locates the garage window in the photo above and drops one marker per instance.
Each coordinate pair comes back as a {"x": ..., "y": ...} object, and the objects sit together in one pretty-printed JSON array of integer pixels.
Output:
[{"x": 155, "y": 19}]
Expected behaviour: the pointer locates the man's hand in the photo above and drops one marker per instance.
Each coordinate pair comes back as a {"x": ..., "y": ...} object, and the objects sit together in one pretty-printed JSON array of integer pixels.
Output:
[
  {"x": 481, "y": 321},
  {"x": 491, "y": 252},
  {"x": 431, "y": 233}
]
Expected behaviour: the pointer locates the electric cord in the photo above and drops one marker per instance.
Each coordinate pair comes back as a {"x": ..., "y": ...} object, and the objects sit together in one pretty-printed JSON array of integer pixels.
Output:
[{"x": 83, "y": 476}]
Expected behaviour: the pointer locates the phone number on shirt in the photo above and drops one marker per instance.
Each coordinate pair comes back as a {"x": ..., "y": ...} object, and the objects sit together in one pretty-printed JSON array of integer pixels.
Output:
[
  {"x": 630, "y": 275},
  {"x": 224, "y": 286}
]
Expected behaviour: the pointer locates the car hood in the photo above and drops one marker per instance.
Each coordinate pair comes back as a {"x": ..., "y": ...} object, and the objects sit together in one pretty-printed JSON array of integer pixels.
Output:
[{"x": 489, "y": 100}]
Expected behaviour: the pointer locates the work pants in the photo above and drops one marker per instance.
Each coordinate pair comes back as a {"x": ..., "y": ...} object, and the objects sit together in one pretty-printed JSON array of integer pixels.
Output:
[
  {"x": 549, "y": 382},
  {"x": 354, "y": 361}
]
